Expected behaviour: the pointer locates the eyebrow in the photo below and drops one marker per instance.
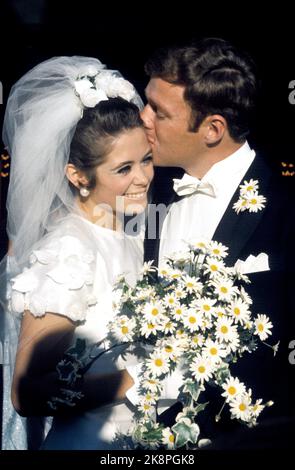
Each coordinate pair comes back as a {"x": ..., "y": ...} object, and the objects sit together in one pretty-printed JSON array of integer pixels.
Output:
[{"x": 129, "y": 162}]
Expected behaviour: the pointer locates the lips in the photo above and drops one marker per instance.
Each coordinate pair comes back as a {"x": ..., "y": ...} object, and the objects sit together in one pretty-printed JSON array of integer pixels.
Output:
[{"x": 135, "y": 196}]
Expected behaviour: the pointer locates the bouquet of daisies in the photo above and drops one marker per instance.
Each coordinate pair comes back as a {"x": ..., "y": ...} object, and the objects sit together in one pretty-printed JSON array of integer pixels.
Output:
[{"x": 193, "y": 313}]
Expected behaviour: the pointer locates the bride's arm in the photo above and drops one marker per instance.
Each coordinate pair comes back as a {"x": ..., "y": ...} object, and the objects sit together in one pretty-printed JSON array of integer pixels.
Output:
[{"x": 42, "y": 344}]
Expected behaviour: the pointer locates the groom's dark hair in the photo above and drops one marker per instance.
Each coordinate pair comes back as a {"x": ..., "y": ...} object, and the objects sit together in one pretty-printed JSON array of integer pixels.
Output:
[{"x": 218, "y": 79}]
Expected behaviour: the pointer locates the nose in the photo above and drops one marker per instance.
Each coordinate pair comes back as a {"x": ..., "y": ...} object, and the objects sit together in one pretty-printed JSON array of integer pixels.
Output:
[
  {"x": 147, "y": 116},
  {"x": 140, "y": 176}
]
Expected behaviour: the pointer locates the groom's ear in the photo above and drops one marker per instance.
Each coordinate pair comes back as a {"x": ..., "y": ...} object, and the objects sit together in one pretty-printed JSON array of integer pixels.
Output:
[
  {"x": 214, "y": 127},
  {"x": 75, "y": 176}
]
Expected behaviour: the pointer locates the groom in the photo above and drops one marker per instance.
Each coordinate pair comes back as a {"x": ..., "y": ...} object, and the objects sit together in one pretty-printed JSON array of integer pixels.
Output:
[{"x": 200, "y": 100}]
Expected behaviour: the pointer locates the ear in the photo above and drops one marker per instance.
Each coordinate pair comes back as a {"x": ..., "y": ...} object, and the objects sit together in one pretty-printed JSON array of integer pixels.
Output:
[
  {"x": 214, "y": 127},
  {"x": 75, "y": 176}
]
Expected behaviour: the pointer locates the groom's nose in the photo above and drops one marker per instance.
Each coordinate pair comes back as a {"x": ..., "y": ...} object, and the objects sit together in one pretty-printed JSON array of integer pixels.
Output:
[{"x": 147, "y": 117}]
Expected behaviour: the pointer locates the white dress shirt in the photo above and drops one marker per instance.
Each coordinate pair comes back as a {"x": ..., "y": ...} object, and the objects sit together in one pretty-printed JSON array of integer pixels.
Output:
[{"x": 197, "y": 215}]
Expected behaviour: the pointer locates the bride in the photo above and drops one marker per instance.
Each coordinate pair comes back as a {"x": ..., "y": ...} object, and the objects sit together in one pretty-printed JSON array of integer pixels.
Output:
[{"x": 80, "y": 161}]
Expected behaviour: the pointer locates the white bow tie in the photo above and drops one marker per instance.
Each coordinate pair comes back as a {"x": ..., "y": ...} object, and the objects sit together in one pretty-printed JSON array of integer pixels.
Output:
[{"x": 190, "y": 185}]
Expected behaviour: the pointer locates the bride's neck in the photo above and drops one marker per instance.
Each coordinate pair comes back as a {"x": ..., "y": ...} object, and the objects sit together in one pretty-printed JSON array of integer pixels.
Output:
[{"x": 100, "y": 215}]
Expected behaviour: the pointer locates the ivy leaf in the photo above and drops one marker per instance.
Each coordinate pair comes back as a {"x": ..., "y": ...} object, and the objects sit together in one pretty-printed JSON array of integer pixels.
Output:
[
  {"x": 185, "y": 431},
  {"x": 78, "y": 349},
  {"x": 193, "y": 389}
]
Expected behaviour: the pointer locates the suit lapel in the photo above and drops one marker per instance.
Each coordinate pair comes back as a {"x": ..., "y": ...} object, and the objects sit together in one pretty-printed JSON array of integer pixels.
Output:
[{"x": 234, "y": 230}]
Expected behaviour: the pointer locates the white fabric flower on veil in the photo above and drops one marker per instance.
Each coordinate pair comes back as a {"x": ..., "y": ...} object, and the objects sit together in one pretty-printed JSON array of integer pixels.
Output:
[
  {"x": 89, "y": 95},
  {"x": 101, "y": 86},
  {"x": 114, "y": 86}
]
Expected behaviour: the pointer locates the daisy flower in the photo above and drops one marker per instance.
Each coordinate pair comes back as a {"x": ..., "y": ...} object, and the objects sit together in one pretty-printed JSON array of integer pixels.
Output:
[
  {"x": 249, "y": 186},
  {"x": 225, "y": 331},
  {"x": 255, "y": 202},
  {"x": 147, "y": 268},
  {"x": 191, "y": 284},
  {"x": 179, "y": 311},
  {"x": 215, "y": 351},
  {"x": 158, "y": 364},
  {"x": 168, "y": 438},
  {"x": 193, "y": 320},
  {"x": 239, "y": 311},
  {"x": 202, "y": 369},
  {"x": 240, "y": 407},
  {"x": 257, "y": 407},
  {"x": 232, "y": 388},
  {"x": 218, "y": 250},
  {"x": 123, "y": 329},
  {"x": 151, "y": 384},
  {"x": 168, "y": 326},
  {"x": 262, "y": 327},
  {"x": 224, "y": 289},
  {"x": 240, "y": 205},
  {"x": 170, "y": 300},
  {"x": 197, "y": 341},
  {"x": 213, "y": 267},
  {"x": 148, "y": 328},
  {"x": 205, "y": 305},
  {"x": 153, "y": 310}
]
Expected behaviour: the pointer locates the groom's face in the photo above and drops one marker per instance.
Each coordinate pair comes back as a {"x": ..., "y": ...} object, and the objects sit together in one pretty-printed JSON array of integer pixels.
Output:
[{"x": 166, "y": 119}]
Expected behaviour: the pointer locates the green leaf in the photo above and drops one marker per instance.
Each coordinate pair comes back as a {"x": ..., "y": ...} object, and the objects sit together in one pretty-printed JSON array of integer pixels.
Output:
[
  {"x": 193, "y": 389},
  {"x": 185, "y": 433}
]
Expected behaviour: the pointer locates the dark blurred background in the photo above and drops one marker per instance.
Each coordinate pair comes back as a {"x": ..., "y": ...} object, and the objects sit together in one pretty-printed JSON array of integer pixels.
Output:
[{"x": 123, "y": 36}]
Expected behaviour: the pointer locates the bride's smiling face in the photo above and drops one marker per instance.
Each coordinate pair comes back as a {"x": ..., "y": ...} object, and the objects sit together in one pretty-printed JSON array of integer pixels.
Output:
[{"x": 123, "y": 179}]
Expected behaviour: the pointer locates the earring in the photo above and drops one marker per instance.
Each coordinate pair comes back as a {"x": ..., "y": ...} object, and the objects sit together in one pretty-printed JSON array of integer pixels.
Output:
[{"x": 84, "y": 192}]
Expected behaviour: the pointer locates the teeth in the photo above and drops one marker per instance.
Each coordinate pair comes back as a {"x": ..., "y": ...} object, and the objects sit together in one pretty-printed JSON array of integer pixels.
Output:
[{"x": 135, "y": 196}]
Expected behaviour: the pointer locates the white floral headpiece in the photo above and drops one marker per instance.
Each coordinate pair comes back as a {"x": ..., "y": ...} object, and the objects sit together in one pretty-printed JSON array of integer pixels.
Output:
[{"x": 96, "y": 86}]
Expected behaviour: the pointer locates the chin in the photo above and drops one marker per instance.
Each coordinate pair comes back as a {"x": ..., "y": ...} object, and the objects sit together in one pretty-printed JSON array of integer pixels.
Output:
[{"x": 135, "y": 208}]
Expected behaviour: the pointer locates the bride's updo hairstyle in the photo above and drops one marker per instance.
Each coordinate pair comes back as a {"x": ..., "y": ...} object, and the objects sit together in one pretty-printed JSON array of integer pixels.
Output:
[{"x": 96, "y": 131}]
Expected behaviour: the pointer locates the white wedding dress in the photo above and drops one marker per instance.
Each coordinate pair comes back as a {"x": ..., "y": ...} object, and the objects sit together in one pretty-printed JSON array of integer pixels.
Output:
[{"x": 72, "y": 273}]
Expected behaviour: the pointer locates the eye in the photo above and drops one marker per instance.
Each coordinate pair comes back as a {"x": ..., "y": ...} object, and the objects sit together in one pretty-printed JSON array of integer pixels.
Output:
[
  {"x": 160, "y": 115},
  {"x": 148, "y": 159},
  {"x": 124, "y": 170}
]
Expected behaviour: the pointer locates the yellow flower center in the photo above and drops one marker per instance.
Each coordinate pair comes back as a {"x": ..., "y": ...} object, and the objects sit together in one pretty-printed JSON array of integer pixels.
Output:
[
  {"x": 158, "y": 362},
  {"x": 213, "y": 267},
  {"x": 189, "y": 284},
  {"x": 253, "y": 201},
  {"x": 260, "y": 327},
  {"x": 249, "y": 188},
  {"x": 242, "y": 406},
  {"x": 151, "y": 326},
  {"x": 213, "y": 351},
  {"x": 201, "y": 369},
  {"x": 237, "y": 311},
  {"x": 224, "y": 290},
  {"x": 146, "y": 406},
  {"x": 155, "y": 311},
  {"x": 192, "y": 320},
  {"x": 224, "y": 329},
  {"x": 168, "y": 349},
  {"x": 178, "y": 311},
  {"x": 232, "y": 390},
  {"x": 168, "y": 324},
  {"x": 201, "y": 245},
  {"x": 216, "y": 251},
  {"x": 195, "y": 339},
  {"x": 206, "y": 307},
  {"x": 244, "y": 203},
  {"x": 171, "y": 438},
  {"x": 148, "y": 396},
  {"x": 171, "y": 300},
  {"x": 124, "y": 330}
]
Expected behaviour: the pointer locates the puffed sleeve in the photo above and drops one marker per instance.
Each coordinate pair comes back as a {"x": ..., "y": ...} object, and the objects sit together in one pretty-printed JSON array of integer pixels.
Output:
[{"x": 59, "y": 280}]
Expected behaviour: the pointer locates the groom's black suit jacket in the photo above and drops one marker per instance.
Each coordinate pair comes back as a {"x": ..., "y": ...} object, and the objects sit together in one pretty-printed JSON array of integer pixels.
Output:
[{"x": 272, "y": 231}]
